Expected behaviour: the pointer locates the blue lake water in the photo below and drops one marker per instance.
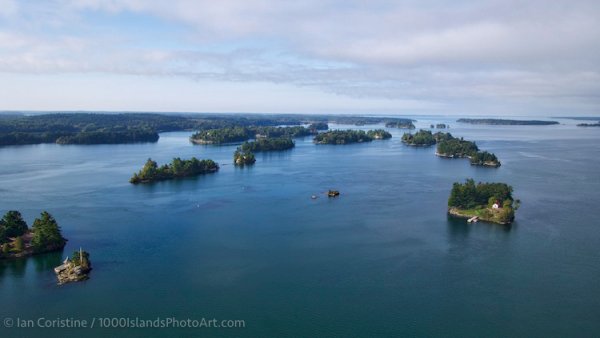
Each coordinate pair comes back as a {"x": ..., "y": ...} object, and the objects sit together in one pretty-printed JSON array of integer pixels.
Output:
[{"x": 249, "y": 243}]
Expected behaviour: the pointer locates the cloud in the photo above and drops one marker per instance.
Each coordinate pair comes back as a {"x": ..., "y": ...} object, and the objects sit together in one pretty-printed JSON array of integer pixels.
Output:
[{"x": 413, "y": 50}]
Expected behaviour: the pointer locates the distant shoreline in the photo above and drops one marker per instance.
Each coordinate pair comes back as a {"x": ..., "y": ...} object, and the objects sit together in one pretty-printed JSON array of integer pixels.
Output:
[{"x": 505, "y": 122}]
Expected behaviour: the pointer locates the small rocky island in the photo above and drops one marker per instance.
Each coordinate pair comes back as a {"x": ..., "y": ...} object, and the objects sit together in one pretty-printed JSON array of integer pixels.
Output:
[
  {"x": 74, "y": 269},
  {"x": 178, "y": 168},
  {"x": 18, "y": 240},
  {"x": 489, "y": 202},
  {"x": 242, "y": 158},
  {"x": 333, "y": 193}
]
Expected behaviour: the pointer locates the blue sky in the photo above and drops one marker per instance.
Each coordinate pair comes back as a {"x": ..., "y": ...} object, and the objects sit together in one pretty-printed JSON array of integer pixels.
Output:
[{"x": 328, "y": 56}]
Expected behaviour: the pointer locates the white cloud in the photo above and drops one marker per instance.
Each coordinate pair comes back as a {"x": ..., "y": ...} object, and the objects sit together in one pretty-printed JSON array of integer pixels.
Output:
[{"x": 411, "y": 50}]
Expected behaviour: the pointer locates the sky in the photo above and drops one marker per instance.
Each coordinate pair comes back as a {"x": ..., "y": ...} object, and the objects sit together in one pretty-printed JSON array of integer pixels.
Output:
[{"x": 494, "y": 57}]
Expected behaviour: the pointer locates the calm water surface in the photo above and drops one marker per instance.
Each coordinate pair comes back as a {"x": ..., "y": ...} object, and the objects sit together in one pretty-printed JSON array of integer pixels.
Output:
[{"x": 382, "y": 259}]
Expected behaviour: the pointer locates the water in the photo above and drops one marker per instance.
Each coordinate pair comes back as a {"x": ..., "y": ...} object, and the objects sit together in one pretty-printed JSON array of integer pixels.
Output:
[{"x": 382, "y": 259}]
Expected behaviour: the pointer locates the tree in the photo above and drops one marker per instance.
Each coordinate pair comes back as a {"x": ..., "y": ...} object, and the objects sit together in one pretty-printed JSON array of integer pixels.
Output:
[
  {"x": 3, "y": 237},
  {"x": 46, "y": 233},
  {"x": 13, "y": 224}
]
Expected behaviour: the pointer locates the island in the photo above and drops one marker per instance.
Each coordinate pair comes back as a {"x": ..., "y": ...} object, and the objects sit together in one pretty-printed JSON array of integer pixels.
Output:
[
  {"x": 242, "y": 158},
  {"x": 589, "y": 124},
  {"x": 402, "y": 124},
  {"x": 350, "y": 136},
  {"x": 267, "y": 144},
  {"x": 422, "y": 138},
  {"x": 489, "y": 202},
  {"x": 74, "y": 269},
  {"x": 503, "y": 122},
  {"x": 318, "y": 126},
  {"x": 451, "y": 147},
  {"x": 18, "y": 240},
  {"x": 241, "y": 134},
  {"x": 178, "y": 168},
  {"x": 222, "y": 136},
  {"x": 379, "y": 134},
  {"x": 84, "y": 128}
]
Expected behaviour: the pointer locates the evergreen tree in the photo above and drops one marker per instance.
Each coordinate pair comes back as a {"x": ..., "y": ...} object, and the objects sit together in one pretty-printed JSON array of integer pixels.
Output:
[
  {"x": 13, "y": 224},
  {"x": 46, "y": 233}
]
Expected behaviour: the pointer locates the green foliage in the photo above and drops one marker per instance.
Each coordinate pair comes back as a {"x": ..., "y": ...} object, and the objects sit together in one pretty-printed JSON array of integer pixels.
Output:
[
  {"x": 483, "y": 157},
  {"x": 470, "y": 196},
  {"x": 3, "y": 237},
  {"x": 87, "y": 128},
  {"x": 240, "y": 134},
  {"x": 379, "y": 134},
  {"x": 267, "y": 144},
  {"x": 18, "y": 245},
  {"x": 81, "y": 259},
  {"x": 12, "y": 225},
  {"x": 318, "y": 126},
  {"x": 243, "y": 158},
  {"x": 404, "y": 124},
  {"x": 224, "y": 135},
  {"x": 420, "y": 138},
  {"x": 46, "y": 233},
  {"x": 342, "y": 137},
  {"x": 455, "y": 147},
  {"x": 176, "y": 169},
  {"x": 5, "y": 249}
]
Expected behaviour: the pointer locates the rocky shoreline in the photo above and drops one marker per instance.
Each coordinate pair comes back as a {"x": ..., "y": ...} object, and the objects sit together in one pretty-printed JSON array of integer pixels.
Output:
[
  {"x": 490, "y": 164},
  {"x": 455, "y": 212}
]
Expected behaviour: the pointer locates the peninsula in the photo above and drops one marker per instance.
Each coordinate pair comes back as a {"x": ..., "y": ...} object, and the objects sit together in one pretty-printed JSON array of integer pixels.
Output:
[
  {"x": 503, "y": 122},
  {"x": 178, "y": 168},
  {"x": 18, "y": 240},
  {"x": 489, "y": 202}
]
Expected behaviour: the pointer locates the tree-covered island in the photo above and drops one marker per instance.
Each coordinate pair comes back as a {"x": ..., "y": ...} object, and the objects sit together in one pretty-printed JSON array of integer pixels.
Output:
[
  {"x": 490, "y": 202},
  {"x": 242, "y": 158},
  {"x": 449, "y": 146},
  {"x": 350, "y": 136},
  {"x": 452, "y": 147},
  {"x": 267, "y": 144},
  {"x": 316, "y": 126},
  {"x": 178, "y": 168},
  {"x": 589, "y": 124},
  {"x": 18, "y": 240},
  {"x": 379, "y": 134},
  {"x": 241, "y": 134},
  {"x": 503, "y": 122},
  {"x": 422, "y": 138},
  {"x": 402, "y": 124}
]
